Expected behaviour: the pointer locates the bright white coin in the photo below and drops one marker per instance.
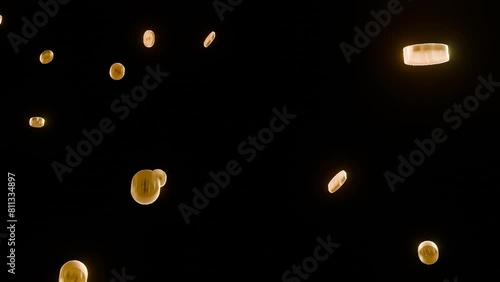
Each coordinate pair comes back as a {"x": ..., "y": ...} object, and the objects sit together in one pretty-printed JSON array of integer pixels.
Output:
[{"x": 426, "y": 54}]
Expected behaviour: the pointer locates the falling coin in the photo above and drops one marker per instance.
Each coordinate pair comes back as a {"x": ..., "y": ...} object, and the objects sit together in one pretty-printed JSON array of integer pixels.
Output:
[
  {"x": 73, "y": 271},
  {"x": 148, "y": 38},
  {"x": 428, "y": 252},
  {"x": 337, "y": 181},
  {"x": 117, "y": 71},
  {"x": 37, "y": 122},
  {"x": 426, "y": 54},
  {"x": 210, "y": 38},
  {"x": 145, "y": 187},
  {"x": 46, "y": 57}
]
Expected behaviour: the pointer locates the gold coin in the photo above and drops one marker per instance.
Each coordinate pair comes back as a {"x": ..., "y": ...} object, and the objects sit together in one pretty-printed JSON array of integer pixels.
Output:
[
  {"x": 46, "y": 57},
  {"x": 426, "y": 54},
  {"x": 210, "y": 38},
  {"x": 37, "y": 122},
  {"x": 145, "y": 187},
  {"x": 337, "y": 181},
  {"x": 148, "y": 38},
  {"x": 73, "y": 271},
  {"x": 117, "y": 71},
  {"x": 428, "y": 252}
]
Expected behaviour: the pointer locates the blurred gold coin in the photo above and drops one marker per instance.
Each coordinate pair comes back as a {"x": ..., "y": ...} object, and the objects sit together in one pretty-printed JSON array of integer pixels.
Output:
[
  {"x": 73, "y": 271},
  {"x": 210, "y": 38},
  {"x": 145, "y": 187},
  {"x": 46, "y": 57},
  {"x": 37, "y": 122},
  {"x": 117, "y": 71},
  {"x": 428, "y": 252},
  {"x": 148, "y": 38},
  {"x": 337, "y": 181},
  {"x": 426, "y": 54}
]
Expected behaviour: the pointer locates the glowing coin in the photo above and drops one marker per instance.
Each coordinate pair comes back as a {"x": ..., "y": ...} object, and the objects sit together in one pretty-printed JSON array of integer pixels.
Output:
[
  {"x": 162, "y": 176},
  {"x": 1, "y": 18},
  {"x": 73, "y": 271},
  {"x": 148, "y": 38},
  {"x": 428, "y": 252},
  {"x": 337, "y": 181},
  {"x": 46, "y": 57},
  {"x": 210, "y": 38},
  {"x": 426, "y": 54},
  {"x": 145, "y": 187},
  {"x": 37, "y": 122},
  {"x": 117, "y": 71}
]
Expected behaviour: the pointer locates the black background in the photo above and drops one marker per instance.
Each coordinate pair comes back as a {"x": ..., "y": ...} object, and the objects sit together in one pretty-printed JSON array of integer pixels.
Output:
[{"x": 357, "y": 116}]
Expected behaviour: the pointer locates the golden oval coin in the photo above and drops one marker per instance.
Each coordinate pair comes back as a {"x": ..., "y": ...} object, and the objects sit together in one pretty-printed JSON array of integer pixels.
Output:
[
  {"x": 426, "y": 54},
  {"x": 46, "y": 57},
  {"x": 210, "y": 38},
  {"x": 337, "y": 181},
  {"x": 428, "y": 252},
  {"x": 145, "y": 187},
  {"x": 161, "y": 175},
  {"x": 37, "y": 122},
  {"x": 148, "y": 38},
  {"x": 117, "y": 71},
  {"x": 73, "y": 271}
]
